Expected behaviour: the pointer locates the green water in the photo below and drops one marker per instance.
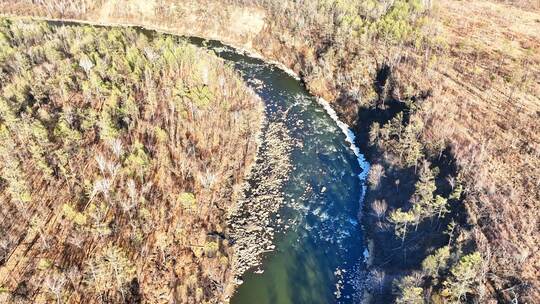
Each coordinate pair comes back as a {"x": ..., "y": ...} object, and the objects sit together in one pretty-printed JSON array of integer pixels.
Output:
[{"x": 323, "y": 196}]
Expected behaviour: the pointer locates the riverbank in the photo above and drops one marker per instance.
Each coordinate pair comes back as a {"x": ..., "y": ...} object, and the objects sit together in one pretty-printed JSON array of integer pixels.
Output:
[
  {"x": 455, "y": 93},
  {"x": 249, "y": 221}
]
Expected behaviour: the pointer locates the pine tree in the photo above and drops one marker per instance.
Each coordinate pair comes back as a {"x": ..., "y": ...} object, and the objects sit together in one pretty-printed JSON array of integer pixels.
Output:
[
  {"x": 402, "y": 220},
  {"x": 465, "y": 274}
]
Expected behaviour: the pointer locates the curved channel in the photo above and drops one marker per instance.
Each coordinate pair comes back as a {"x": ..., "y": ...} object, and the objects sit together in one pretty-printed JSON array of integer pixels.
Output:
[{"x": 319, "y": 247}]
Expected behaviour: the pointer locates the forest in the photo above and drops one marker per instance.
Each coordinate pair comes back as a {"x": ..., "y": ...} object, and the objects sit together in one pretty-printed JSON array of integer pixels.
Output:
[
  {"x": 121, "y": 155},
  {"x": 444, "y": 98}
]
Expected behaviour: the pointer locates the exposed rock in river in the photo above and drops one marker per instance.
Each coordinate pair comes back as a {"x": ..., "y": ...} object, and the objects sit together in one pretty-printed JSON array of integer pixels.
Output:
[{"x": 261, "y": 198}]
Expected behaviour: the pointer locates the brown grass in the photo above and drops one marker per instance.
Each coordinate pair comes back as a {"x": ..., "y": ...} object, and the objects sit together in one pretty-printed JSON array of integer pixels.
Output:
[{"x": 488, "y": 96}]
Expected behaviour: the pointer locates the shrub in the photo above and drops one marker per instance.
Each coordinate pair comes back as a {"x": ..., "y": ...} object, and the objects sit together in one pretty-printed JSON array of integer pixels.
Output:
[
  {"x": 187, "y": 200},
  {"x": 72, "y": 215},
  {"x": 465, "y": 275},
  {"x": 433, "y": 264},
  {"x": 408, "y": 291},
  {"x": 109, "y": 271}
]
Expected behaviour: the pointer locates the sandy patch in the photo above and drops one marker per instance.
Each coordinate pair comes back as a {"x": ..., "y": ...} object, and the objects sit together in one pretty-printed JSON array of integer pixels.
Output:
[{"x": 246, "y": 20}]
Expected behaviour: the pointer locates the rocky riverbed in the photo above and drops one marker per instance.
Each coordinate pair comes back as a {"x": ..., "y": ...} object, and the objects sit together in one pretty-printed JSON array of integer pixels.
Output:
[{"x": 249, "y": 223}]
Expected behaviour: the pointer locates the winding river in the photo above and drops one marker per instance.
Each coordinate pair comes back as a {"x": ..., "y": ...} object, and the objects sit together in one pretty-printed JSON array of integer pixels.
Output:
[
  {"x": 319, "y": 248},
  {"x": 319, "y": 251}
]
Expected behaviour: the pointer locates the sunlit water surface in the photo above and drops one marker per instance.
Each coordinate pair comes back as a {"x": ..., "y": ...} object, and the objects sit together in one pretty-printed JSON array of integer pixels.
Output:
[{"x": 319, "y": 244}]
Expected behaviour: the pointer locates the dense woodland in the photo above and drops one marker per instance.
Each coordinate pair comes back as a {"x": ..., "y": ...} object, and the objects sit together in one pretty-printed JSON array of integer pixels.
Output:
[
  {"x": 444, "y": 96},
  {"x": 120, "y": 155}
]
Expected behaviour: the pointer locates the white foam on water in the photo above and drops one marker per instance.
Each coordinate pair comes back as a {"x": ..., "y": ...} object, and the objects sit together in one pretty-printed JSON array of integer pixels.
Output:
[
  {"x": 324, "y": 216},
  {"x": 275, "y": 63},
  {"x": 366, "y": 255},
  {"x": 349, "y": 137},
  {"x": 352, "y": 221},
  {"x": 222, "y": 49}
]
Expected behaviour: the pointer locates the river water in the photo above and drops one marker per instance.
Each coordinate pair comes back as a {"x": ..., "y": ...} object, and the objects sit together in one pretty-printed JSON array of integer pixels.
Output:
[{"x": 319, "y": 246}]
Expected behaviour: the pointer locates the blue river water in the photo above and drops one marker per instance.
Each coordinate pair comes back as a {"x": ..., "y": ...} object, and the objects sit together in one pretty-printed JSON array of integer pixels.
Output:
[{"x": 319, "y": 247}]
